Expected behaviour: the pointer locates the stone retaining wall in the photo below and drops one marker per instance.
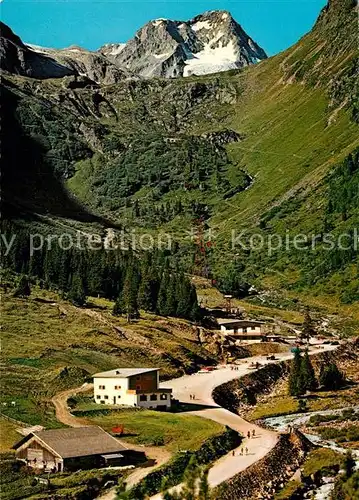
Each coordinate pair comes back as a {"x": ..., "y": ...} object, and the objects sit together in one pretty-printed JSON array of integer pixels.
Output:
[
  {"x": 262, "y": 479},
  {"x": 244, "y": 391}
]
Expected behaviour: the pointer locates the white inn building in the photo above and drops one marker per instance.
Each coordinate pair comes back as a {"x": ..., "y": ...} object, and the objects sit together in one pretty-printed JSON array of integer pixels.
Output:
[{"x": 131, "y": 387}]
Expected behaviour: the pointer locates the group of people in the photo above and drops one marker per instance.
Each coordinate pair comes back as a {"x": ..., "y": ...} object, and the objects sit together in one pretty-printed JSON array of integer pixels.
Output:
[
  {"x": 192, "y": 396},
  {"x": 235, "y": 368},
  {"x": 245, "y": 451}
]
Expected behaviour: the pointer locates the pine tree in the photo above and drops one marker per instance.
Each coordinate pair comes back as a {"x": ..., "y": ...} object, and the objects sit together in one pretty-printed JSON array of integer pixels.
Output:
[
  {"x": 348, "y": 464},
  {"x": 296, "y": 387},
  {"x": 77, "y": 293},
  {"x": 171, "y": 300},
  {"x": 308, "y": 329},
  {"x": 23, "y": 289},
  {"x": 130, "y": 291},
  {"x": 195, "y": 312},
  {"x": 118, "y": 307},
  {"x": 331, "y": 378},
  {"x": 162, "y": 294},
  {"x": 148, "y": 289},
  {"x": 184, "y": 306},
  {"x": 203, "y": 493},
  {"x": 308, "y": 379}
]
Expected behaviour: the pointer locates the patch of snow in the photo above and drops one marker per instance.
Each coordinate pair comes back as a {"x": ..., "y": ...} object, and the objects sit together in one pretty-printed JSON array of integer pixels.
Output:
[
  {"x": 162, "y": 56},
  {"x": 213, "y": 60},
  {"x": 200, "y": 25},
  {"x": 158, "y": 21},
  {"x": 116, "y": 49},
  {"x": 225, "y": 16},
  {"x": 37, "y": 48},
  {"x": 251, "y": 44}
]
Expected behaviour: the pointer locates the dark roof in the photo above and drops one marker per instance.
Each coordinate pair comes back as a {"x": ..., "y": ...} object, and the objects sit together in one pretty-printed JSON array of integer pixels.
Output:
[
  {"x": 77, "y": 442},
  {"x": 238, "y": 322}
]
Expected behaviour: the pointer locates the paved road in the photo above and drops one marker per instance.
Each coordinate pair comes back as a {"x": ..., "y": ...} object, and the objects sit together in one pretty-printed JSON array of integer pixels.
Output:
[{"x": 202, "y": 386}]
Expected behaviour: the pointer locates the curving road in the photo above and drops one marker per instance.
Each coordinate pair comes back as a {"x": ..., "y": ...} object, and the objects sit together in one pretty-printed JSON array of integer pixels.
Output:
[{"x": 202, "y": 386}]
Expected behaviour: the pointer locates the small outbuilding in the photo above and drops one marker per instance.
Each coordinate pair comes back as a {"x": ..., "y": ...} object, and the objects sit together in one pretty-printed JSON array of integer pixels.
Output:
[{"x": 57, "y": 450}]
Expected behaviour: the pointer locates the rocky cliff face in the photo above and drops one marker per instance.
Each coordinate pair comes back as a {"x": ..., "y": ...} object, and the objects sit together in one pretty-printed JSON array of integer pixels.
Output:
[
  {"x": 92, "y": 65},
  {"x": 209, "y": 43},
  {"x": 17, "y": 58},
  {"x": 41, "y": 63}
]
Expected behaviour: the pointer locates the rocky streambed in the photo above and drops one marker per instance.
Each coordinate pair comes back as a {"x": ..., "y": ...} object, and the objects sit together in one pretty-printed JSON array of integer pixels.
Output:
[{"x": 322, "y": 489}]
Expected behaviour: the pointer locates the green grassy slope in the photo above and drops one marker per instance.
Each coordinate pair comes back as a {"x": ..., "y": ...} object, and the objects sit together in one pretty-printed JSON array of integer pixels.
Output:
[
  {"x": 295, "y": 130},
  {"x": 50, "y": 345},
  {"x": 132, "y": 151}
]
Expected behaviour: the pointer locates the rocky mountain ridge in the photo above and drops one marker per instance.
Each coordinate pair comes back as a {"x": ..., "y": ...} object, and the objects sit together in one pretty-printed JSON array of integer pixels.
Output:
[
  {"x": 19, "y": 59},
  {"x": 79, "y": 61},
  {"x": 209, "y": 43}
]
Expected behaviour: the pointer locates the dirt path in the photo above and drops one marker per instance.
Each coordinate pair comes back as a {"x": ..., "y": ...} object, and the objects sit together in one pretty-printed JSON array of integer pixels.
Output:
[
  {"x": 156, "y": 455},
  {"x": 63, "y": 414}
]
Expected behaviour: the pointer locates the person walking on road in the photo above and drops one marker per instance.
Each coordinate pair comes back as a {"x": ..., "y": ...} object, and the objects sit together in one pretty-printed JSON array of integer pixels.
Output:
[
  {"x": 249, "y": 434},
  {"x": 253, "y": 432},
  {"x": 242, "y": 451},
  {"x": 246, "y": 451}
]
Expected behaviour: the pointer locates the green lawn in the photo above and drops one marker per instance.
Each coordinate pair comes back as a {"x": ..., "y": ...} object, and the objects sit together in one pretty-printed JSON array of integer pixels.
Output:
[{"x": 175, "y": 431}]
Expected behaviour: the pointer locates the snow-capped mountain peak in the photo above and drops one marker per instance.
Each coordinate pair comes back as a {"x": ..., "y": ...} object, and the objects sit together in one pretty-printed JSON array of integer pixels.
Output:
[{"x": 208, "y": 43}]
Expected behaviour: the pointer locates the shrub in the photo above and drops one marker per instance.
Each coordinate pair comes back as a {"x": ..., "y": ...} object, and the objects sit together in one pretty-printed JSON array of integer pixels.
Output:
[{"x": 173, "y": 472}]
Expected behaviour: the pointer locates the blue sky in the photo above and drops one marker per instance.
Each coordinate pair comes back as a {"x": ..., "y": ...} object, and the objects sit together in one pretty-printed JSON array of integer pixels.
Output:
[{"x": 274, "y": 24}]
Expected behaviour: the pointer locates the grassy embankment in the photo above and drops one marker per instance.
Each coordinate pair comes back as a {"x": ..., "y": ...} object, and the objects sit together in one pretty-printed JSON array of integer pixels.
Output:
[
  {"x": 49, "y": 346},
  {"x": 174, "y": 431}
]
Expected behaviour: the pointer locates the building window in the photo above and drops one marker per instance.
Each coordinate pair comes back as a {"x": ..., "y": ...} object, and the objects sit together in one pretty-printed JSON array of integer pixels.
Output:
[
  {"x": 153, "y": 397},
  {"x": 143, "y": 397},
  {"x": 106, "y": 397},
  {"x": 163, "y": 397},
  {"x": 138, "y": 378},
  {"x": 245, "y": 330},
  {"x": 102, "y": 402},
  {"x": 117, "y": 387},
  {"x": 102, "y": 387},
  {"x": 138, "y": 387},
  {"x": 98, "y": 396}
]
